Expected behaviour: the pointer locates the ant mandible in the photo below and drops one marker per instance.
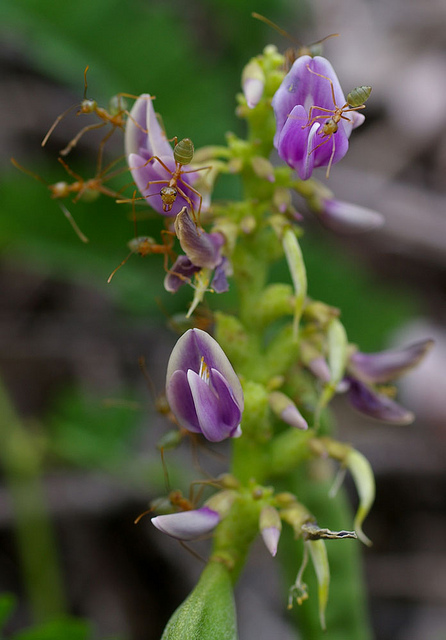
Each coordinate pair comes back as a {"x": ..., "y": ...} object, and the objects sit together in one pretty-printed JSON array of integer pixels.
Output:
[{"x": 355, "y": 101}]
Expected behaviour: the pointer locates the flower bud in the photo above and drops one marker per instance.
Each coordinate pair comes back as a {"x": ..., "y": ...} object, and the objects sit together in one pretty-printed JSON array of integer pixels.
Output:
[
  {"x": 263, "y": 168},
  {"x": 202, "y": 388},
  {"x": 286, "y": 410},
  {"x": 296, "y": 266},
  {"x": 188, "y": 525},
  {"x": 270, "y": 527},
  {"x": 222, "y": 502},
  {"x": 253, "y": 83}
]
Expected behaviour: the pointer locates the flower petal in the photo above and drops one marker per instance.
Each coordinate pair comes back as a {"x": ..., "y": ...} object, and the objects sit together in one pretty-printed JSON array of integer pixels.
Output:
[
  {"x": 188, "y": 525},
  {"x": 207, "y": 407},
  {"x": 377, "y": 405},
  {"x": 344, "y": 217},
  {"x": 181, "y": 402},
  {"x": 202, "y": 249},
  {"x": 181, "y": 271},
  {"x": 388, "y": 365}
]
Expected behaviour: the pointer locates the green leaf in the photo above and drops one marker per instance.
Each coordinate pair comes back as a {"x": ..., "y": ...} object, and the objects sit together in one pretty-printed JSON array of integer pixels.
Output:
[{"x": 209, "y": 612}]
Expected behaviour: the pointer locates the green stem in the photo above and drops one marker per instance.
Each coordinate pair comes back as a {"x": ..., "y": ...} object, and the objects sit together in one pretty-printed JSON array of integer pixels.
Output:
[{"x": 34, "y": 535}]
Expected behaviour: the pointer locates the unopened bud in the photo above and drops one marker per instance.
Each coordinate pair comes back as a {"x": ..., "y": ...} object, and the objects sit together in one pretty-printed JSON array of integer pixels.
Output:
[
  {"x": 270, "y": 527},
  {"x": 286, "y": 410},
  {"x": 263, "y": 168},
  {"x": 253, "y": 83}
]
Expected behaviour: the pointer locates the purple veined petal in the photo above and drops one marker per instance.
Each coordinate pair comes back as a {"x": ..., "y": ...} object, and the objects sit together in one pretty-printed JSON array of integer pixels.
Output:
[
  {"x": 188, "y": 525},
  {"x": 195, "y": 344},
  {"x": 230, "y": 412},
  {"x": 302, "y": 87},
  {"x": 357, "y": 119},
  {"x": 207, "y": 407},
  {"x": 220, "y": 282},
  {"x": 136, "y": 126},
  {"x": 377, "y": 405},
  {"x": 388, "y": 365},
  {"x": 202, "y": 249},
  {"x": 293, "y": 145},
  {"x": 181, "y": 402},
  {"x": 180, "y": 273},
  {"x": 345, "y": 217}
]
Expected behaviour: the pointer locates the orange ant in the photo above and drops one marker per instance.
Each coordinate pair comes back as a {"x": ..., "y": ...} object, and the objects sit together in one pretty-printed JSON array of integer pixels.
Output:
[
  {"x": 145, "y": 245},
  {"x": 291, "y": 54},
  {"x": 355, "y": 101},
  {"x": 115, "y": 116},
  {"x": 86, "y": 190},
  {"x": 183, "y": 154}
]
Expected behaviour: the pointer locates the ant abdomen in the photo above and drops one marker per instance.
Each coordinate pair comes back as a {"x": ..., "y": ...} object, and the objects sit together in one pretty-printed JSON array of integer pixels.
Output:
[
  {"x": 183, "y": 152},
  {"x": 358, "y": 96}
]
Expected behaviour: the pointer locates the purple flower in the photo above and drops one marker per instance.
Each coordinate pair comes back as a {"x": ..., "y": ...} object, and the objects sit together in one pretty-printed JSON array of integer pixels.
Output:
[
  {"x": 144, "y": 138},
  {"x": 203, "y": 251},
  {"x": 365, "y": 370},
  {"x": 295, "y": 106},
  {"x": 203, "y": 389},
  {"x": 188, "y": 525}
]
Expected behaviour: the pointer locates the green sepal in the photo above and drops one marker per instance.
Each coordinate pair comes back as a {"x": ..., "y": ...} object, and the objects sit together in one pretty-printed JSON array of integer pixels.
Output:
[{"x": 208, "y": 612}]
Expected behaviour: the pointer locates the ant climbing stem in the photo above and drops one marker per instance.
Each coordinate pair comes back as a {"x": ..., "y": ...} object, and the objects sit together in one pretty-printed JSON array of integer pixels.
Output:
[
  {"x": 115, "y": 116},
  {"x": 355, "y": 102}
]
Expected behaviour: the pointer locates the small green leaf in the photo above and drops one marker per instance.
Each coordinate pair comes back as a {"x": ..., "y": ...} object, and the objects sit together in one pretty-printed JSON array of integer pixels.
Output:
[
  {"x": 209, "y": 612},
  {"x": 7, "y": 604}
]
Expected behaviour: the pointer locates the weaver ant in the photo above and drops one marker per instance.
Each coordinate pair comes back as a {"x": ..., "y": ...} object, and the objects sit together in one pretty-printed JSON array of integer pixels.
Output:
[
  {"x": 115, "y": 116},
  {"x": 355, "y": 101},
  {"x": 183, "y": 154},
  {"x": 291, "y": 54},
  {"x": 86, "y": 190}
]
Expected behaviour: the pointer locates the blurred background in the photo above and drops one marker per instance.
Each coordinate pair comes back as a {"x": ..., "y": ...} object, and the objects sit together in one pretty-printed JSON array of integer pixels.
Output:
[{"x": 78, "y": 423}]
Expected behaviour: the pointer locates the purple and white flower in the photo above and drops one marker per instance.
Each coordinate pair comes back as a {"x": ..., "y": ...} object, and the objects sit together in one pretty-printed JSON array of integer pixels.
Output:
[
  {"x": 305, "y": 147},
  {"x": 145, "y": 141},
  {"x": 202, "y": 388}
]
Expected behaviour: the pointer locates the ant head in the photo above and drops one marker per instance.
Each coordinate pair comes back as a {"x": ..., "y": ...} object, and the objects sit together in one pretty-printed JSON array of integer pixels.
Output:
[
  {"x": 168, "y": 196},
  {"x": 88, "y": 106},
  {"x": 184, "y": 151},
  {"x": 59, "y": 190}
]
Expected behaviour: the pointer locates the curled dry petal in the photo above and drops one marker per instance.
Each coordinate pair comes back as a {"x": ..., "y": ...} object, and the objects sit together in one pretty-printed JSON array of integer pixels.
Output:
[{"x": 202, "y": 249}]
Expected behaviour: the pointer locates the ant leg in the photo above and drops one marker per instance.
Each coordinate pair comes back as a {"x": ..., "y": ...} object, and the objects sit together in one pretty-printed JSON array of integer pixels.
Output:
[
  {"x": 28, "y": 172},
  {"x": 76, "y": 139},
  {"x": 70, "y": 172},
  {"x": 121, "y": 264},
  {"x": 331, "y": 83},
  {"x": 200, "y": 197},
  {"x": 71, "y": 220},
  {"x": 56, "y": 122},
  {"x": 321, "y": 143},
  {"x": 104, "y": 140},
  {"x": 150, "y": 160},
  {"x": 199, "y": 169}
]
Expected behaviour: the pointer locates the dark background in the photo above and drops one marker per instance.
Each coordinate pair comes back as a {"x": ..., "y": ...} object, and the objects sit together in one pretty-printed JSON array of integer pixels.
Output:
[{"x": 70, "y": 343}]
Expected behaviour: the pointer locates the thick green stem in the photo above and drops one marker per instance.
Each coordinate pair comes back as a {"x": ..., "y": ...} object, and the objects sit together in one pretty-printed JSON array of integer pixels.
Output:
[{"x": 34, "y": 535}]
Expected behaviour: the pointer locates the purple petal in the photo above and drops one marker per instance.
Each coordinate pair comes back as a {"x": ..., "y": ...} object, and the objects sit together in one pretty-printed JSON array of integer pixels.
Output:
[
  {"x": 203, "y": 249},
  {"x": 377, "y": 405},
  {"x": 292, "y": 143},
  {"x": 388, "y": 365},
  {"x": 230, "y": 412},
  {"x": 181, "y": 271},
  {"x": 220, "y": 282},
  {"x": 181, "y": 402},
  {"x": 187, "y": 354},
  {"x": 136, "y": 127},
  {"x": 292, "y": 416},
  {"x": 344, "y": 217},
  {"x": 188, "y": 525}
]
